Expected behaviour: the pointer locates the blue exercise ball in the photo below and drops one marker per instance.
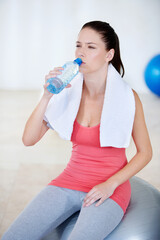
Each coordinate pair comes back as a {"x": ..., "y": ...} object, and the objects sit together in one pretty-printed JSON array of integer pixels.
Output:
[{"x": 152, "y": 75}]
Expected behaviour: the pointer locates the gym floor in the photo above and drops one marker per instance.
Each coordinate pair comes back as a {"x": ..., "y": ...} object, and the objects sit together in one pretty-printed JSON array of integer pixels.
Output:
[{"x": 24, "y": 171}]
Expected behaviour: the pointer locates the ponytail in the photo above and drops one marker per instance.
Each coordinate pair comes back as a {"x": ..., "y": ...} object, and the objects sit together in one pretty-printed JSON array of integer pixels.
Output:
[
  {"x": 116, "y": 61},
  {"x": 111, "y": 41}
]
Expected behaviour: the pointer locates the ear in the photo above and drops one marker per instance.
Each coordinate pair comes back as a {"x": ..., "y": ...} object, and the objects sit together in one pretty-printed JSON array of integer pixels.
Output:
[{"x": 110, "y": 55}]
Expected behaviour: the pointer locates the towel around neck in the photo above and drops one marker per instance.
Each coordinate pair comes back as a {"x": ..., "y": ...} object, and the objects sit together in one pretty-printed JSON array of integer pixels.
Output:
[{"x": 117, "y": 113}]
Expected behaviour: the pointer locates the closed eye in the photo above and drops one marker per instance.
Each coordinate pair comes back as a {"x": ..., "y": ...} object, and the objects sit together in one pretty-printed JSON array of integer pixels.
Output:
[
  {"x": 91, "y": 47},
  {"x": 88, "y": 47}
]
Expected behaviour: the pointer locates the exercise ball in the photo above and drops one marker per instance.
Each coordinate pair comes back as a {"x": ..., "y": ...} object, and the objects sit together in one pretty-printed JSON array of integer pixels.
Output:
[
  {"x": 140, "y": 222},
  {"x": 152, "y": 75}
]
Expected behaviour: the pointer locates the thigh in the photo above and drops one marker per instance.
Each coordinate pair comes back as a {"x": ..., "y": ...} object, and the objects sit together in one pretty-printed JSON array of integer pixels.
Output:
[
  {"x": 95, "y": 223},
  {"x": 46, "y": 211}
]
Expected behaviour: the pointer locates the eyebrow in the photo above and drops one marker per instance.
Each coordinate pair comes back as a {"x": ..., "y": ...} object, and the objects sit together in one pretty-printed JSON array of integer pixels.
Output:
[{"x": 87, "y": 42}]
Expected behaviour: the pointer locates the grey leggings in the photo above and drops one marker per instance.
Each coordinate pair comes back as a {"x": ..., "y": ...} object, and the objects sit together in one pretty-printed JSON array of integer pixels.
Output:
[{"x": 53, "y": 205}]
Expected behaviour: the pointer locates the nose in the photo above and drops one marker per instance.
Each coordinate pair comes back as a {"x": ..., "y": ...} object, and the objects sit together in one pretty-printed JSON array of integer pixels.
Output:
[
  {"x": 81, "y": 56},
  {"x": 81, "y": 52}
]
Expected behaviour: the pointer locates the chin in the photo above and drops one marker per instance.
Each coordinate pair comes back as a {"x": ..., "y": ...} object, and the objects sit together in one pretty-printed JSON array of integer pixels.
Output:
[{"x": 83, "y": 70}]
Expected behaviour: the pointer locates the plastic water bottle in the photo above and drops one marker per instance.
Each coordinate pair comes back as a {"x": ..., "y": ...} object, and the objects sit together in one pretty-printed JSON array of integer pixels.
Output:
[{"x": 71, "y": 69}]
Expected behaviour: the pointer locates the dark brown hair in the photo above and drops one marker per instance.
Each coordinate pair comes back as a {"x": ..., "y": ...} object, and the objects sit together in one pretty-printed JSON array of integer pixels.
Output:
[{"x": 111, "y": 41}]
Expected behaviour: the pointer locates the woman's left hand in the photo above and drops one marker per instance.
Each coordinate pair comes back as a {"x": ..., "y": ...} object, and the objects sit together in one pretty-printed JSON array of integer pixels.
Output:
[{"x": 101, "y": 191}]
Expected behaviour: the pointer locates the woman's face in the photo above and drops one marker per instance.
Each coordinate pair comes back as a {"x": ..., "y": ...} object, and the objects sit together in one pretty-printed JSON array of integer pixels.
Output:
[{"x": 91, "y": 49}]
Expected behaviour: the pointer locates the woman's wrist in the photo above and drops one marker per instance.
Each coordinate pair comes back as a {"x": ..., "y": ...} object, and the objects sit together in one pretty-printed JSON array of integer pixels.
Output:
[
  {"x": 113, "y": 182},
  {"x": 46, "y": 97}
]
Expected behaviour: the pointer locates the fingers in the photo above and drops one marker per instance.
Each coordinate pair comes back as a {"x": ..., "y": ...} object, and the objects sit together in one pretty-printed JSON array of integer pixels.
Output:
[
  {"x": 100, "y": 202},
  {"x": 68, "y": 86},
  {"x": 57, "y": 70},
  {"x": 53, "y": 73},
  {"x": 93, "y": 190},
  {"x": 89, "y": 196},
  {"x": 49, "y": 76},
  {"x": 46, "y": 85},
  {"x": 98, "y": 197},
  {"x": 94, "y": 197}
]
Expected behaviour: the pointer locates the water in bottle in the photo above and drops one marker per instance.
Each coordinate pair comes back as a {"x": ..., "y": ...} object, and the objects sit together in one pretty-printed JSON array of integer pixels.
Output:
[{"x": 71, "y": 69}]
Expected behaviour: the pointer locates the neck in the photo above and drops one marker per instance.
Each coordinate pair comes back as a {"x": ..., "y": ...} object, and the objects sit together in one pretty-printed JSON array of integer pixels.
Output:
[{"x": 95, "y": 83}]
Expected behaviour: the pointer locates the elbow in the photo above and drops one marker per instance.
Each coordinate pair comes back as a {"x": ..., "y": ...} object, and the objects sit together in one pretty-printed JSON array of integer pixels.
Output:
[
  {"x": 148, "y": 154},
  {"x": 27, "y": 143}
]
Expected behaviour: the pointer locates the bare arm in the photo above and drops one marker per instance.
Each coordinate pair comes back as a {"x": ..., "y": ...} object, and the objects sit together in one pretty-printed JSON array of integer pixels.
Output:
[
  {"x": 143, "y": 145},
  {"x": 36, "y": 127}
]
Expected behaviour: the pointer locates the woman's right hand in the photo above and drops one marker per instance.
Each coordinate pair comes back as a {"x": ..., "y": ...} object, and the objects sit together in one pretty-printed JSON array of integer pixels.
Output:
[{"x": 53, "y": 73}]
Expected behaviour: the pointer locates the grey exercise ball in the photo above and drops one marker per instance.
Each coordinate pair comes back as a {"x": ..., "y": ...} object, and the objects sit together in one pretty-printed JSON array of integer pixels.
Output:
[{"x": 140, "y": 222}]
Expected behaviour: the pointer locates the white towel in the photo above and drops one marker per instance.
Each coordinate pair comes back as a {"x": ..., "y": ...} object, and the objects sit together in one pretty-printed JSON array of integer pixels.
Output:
[{"x": 117, "y": 113}]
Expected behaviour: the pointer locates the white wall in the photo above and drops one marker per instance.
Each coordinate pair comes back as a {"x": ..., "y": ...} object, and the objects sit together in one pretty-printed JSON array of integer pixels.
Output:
[{"x": 36, "y": 35}]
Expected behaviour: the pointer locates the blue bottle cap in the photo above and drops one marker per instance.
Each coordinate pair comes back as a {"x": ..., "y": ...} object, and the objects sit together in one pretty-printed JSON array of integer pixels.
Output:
[{"x": 78, "y": 61}]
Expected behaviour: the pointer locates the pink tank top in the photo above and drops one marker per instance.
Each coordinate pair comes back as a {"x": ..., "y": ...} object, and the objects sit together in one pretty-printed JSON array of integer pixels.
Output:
[{"x": 90, "y": 164}]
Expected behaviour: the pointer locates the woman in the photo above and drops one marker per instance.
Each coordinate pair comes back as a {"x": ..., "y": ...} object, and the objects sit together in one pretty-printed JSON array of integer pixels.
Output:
[{"x": 96, "y": 179}]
